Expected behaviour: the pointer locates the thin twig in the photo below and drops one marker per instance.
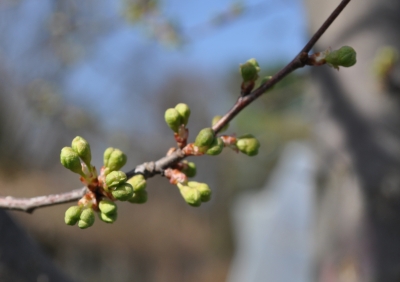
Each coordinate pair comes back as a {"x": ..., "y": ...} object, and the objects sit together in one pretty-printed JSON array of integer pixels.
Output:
[
  {"x": 298, "y": 62},
  {"x": 30, "y": 204},
  {"x": 150, "y": 169}
]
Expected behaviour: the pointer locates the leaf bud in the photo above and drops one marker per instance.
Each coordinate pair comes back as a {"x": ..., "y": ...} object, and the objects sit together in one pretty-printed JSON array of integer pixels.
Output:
[
  {"x": 249, "y": 70},
  {"x": 70, "y": 160},
  {"x": 216, "y": 119},
  {"x": 107, "y": 207},
  {"x": 205, "y": 138},
  {"x": 203, "y": 188},
  {"x": 344, "y": 57},
  {"x": 184, "y": 112},
  {"x": 248, "y": 144},
  {"x": 189, "y": 169},
  {"x": 108, "y": 218},
  {"x": 122, "y": 192},
  {"x": 191, "y": 195},
  {"x": 216, "y": 147},
  {"x": 139, "y": 197},
  {"x": 82, "y": 148},
  {"x": 114, "y": 159},
  {"x": 115, "y": 178},
  {"x": 138, "y": 182},
  {"x": 86, "y": 219},
  {"x": 72, "y": 215},
  {"x": 173, "y": 119}
]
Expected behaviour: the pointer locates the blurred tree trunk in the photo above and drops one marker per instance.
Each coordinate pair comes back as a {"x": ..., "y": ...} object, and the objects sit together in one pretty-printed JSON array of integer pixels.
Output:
[
  {"x": 357, "y": 120},
  {"x": 20, "y": 258}
]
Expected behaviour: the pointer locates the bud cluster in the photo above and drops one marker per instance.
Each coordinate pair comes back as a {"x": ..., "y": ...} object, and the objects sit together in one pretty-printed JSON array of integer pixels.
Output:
[
  {"x": 177, "y": 118},
  {"x": 103, "y": 190},
  {"x": 194, "y": 193},
  {"x": 77, "y": 214},
  {"x": 77, "y": 158},
  {"x": 206, "y": 142},
  {"x": 113, "y": 184}
]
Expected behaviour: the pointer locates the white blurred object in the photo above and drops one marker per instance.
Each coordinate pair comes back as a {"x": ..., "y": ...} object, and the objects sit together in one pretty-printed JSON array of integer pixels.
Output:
[{"x": 273, "y": 227}]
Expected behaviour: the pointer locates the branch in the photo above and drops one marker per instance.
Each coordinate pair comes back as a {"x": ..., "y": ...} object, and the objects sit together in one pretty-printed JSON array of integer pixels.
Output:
[
  {"x": 151, "y": 169},
  {"x": 298, "y": 62},
  {"x": 30, "y": 204}
]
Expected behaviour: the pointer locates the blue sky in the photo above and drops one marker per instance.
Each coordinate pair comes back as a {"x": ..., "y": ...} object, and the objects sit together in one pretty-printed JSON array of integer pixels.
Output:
[{"x": 273, "y": 31}]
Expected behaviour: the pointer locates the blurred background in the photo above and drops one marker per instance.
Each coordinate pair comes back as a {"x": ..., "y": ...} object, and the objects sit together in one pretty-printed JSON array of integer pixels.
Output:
[{"x": 320, "y": 202}]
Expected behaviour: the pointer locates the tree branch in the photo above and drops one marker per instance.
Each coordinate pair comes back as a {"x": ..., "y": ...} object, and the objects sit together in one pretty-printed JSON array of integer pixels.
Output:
[
  {"x": 151, "y": 169},
  {"x": 30, "y": 204},
  {"x": 298, "y": 62}
]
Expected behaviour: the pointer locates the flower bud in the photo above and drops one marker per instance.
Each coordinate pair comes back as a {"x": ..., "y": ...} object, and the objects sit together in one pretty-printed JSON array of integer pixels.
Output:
[
  {"x": 344, "y": 57},
  {"x": 108, "y": 218},
  {"x": 248, "y": 144},
  {"x": 138, "y": 182},
  {"x": 115, "y": 178},
  {"x": 114, "y": 159},
  {"x": 72, "y": 215},
  {"x": 184, "y": 112},
  {"x": 107, "y": 207},
  {"x": 249, "y": 70},
  {"x": 122, "y": 192},
  {"x": 82, "y": 148},
  {"x": 70, "y": 159},
  {"x": 189, "y": 169},
  {"x": 216, "y": 147},
  {"x": 139, "y": 197},
  {"x": 203, "y": 188},
  {"x": 191, "y": 195},
  {"x": 216, "y": 119},
  {"x": 86, "y": 219},
  {"x": 205, "y": 138},
  {"x": 173, "y": 119}
]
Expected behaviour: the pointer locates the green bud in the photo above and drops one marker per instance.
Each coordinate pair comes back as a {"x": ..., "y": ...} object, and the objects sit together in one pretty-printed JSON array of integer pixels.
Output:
[
  {"x": 108, "y": 218},
  {"x": 86, "y": 219},
  {"x": 191, "y": 195},
  {"x": 344, "y": 57},
  {"x": 107, "y": 207},
  {"x": 138, "y": 182},
  {"x": 82, "y": 148},
  {"x": 115, "y": 178},
  {"x": 173, "y": 119},
  {"x": 70, "y": 159},
  {"x": 205, "y": 138},
  {"x": 107, "y": 154},
  {"x": 216, "y": 147},
  {"x": 184, "y": 111},
  {"x": 249, "y": 70},
  {"x": 248, "y": 144},
  {"x": 114, "y": 159},
  {"x": 203, "y": 188},
  {"x": 122, "y": 192},
  {"x": 216, "y": 119},
  {"x": 190, "y": 169},
  {"x": 139, "y": 197},
  {"x": 72, "y": 215}
]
